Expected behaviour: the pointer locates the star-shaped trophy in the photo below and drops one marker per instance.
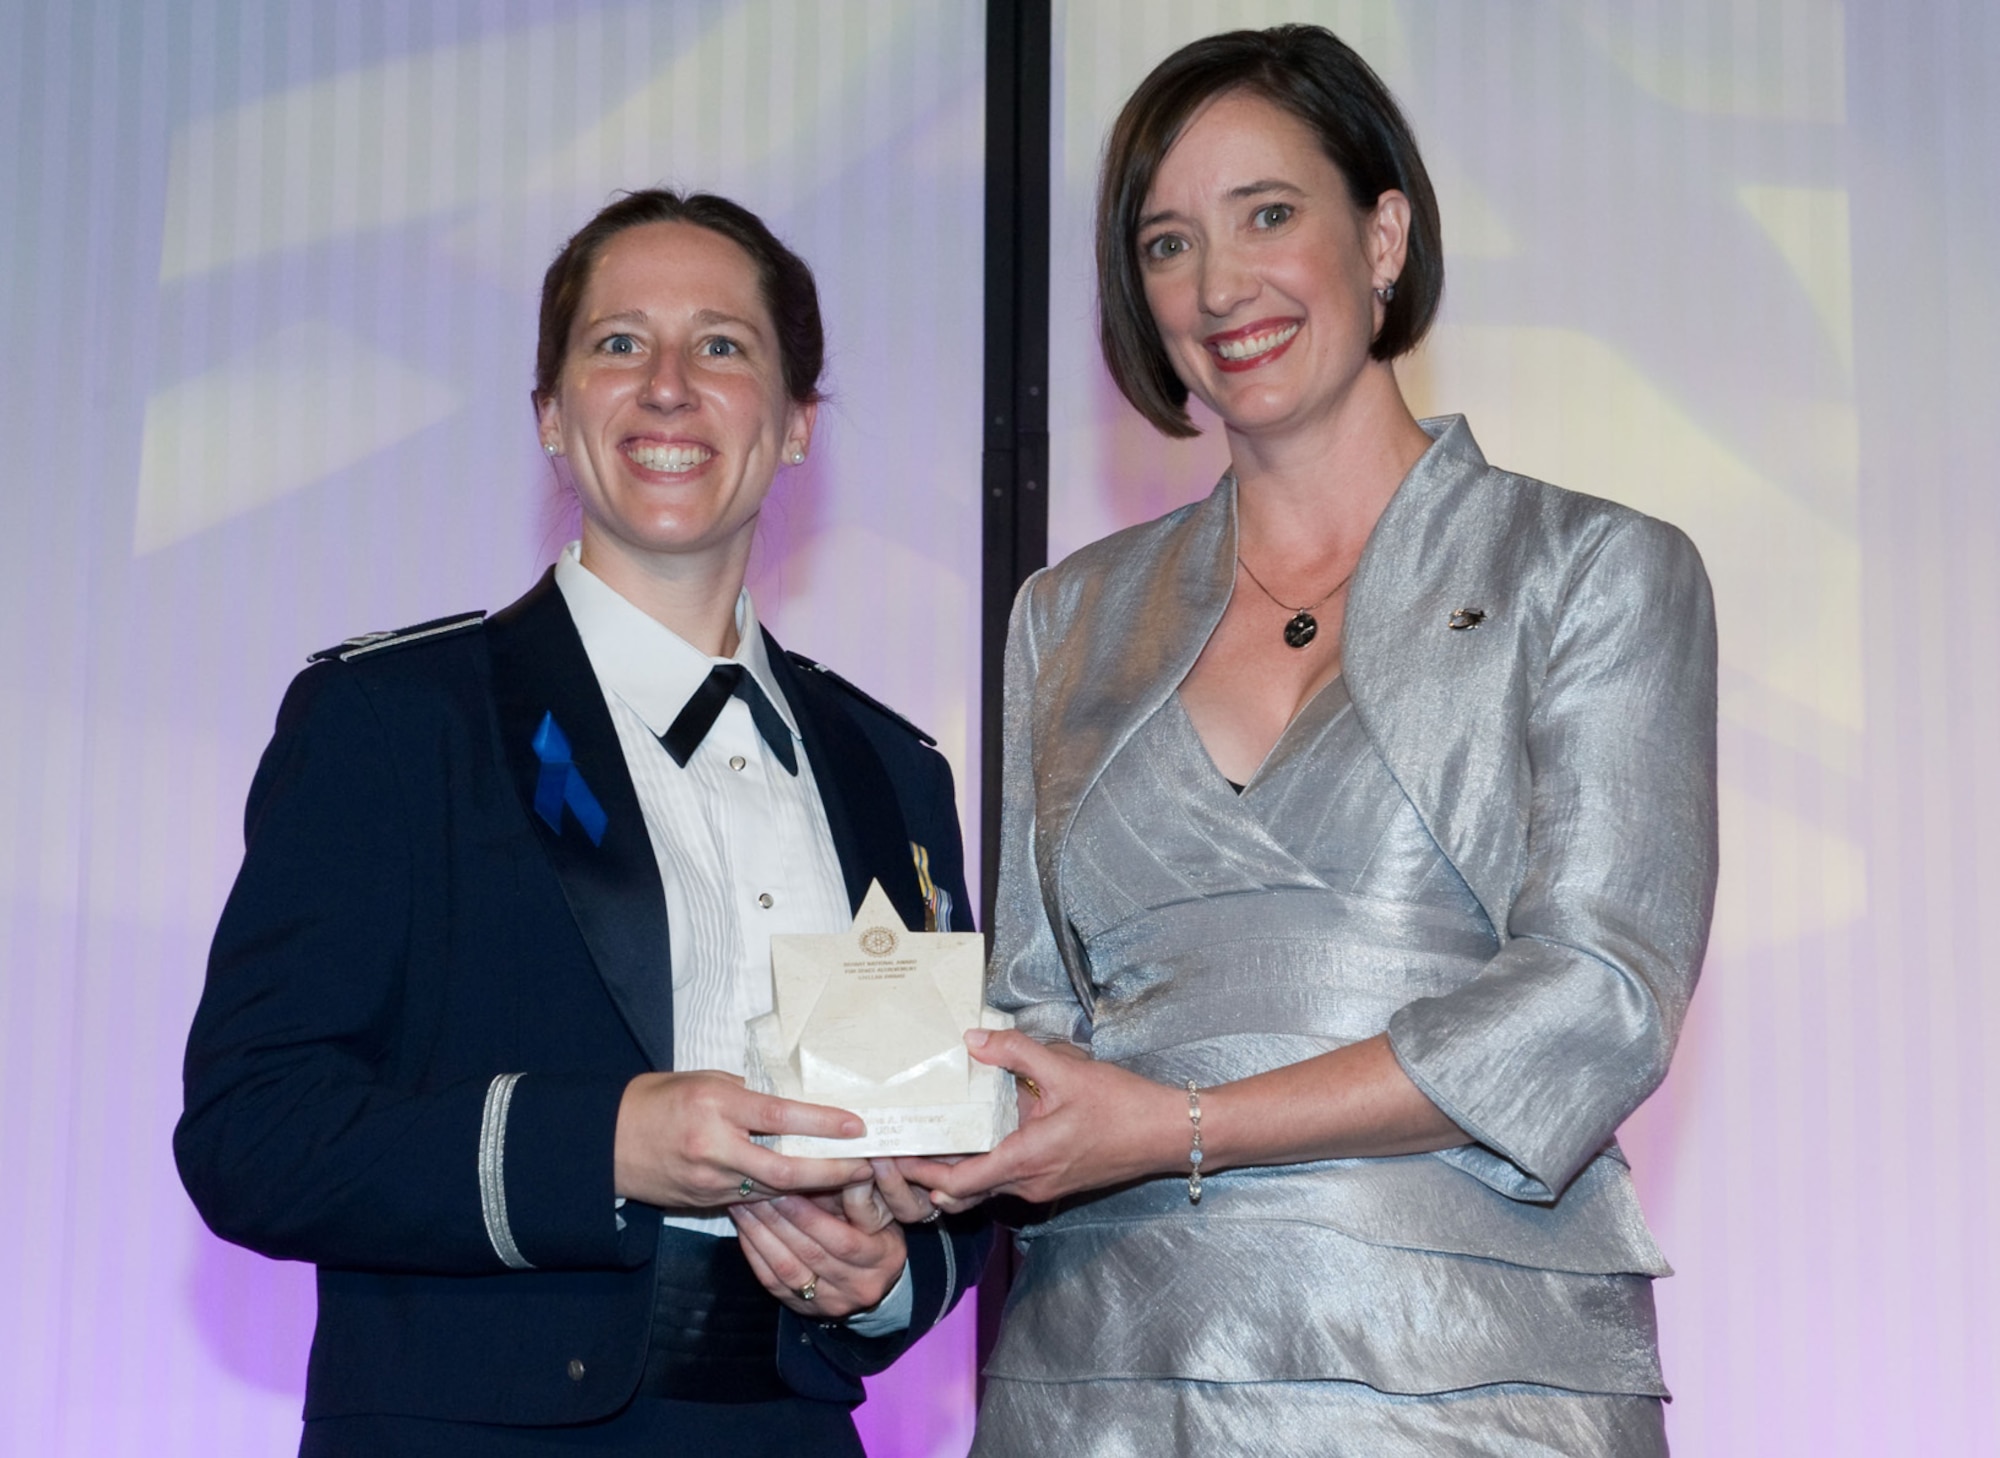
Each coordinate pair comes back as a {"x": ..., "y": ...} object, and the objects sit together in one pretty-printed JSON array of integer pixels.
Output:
[{"x": 873, "y": 1020}]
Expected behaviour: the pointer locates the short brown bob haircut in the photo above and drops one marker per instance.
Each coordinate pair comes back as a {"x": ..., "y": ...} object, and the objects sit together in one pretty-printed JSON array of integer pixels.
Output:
[
  {"x": 784, "y": 281},
  {"x": 1305, "y": 70}
]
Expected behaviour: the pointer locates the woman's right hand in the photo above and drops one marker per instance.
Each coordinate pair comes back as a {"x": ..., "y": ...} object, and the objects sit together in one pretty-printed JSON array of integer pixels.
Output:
[
  {"x": 1084, "y": 1125},
  {"x": 684, "y": 1142}
]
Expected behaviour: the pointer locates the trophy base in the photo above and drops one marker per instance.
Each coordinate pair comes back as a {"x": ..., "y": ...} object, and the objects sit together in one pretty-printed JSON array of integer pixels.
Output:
[{"x": 926, "y": 1129}]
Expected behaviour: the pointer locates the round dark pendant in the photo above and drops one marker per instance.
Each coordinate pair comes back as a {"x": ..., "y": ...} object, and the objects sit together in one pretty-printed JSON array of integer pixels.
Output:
[{"x": 1302, "y": 629}]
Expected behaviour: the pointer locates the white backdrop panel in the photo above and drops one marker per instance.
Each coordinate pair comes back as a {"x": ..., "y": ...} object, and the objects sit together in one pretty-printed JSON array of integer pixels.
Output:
[{"x": 268, "y": 274}]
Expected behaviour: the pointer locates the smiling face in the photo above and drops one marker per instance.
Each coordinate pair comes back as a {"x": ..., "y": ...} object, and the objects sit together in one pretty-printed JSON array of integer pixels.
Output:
[
  {"x": 1260, "y": 271},
  {"x": 670, "y": 411}
]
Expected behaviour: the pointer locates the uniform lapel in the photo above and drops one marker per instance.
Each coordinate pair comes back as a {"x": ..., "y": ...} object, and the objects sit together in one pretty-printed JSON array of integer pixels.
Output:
[
  {"x": 862, "y": 811},
  {"x": 612, "y": 885}
]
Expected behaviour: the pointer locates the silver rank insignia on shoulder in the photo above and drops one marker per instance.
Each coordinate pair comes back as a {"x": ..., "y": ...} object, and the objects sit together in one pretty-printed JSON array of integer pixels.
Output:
[{"x": 352, "y": 648}]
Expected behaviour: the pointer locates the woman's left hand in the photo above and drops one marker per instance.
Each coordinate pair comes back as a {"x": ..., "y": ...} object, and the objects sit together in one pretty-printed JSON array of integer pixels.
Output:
[
  {"x": 906, "y": 1202},
  {"x": 1084, "y": 1125},
  {"x": 847, "y": 1250}
]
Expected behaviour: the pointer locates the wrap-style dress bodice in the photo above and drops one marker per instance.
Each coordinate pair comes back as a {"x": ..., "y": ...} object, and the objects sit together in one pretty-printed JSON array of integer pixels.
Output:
[
  {"x": 1229, "y": 933},
  {"x": 1226, "y": 934}
]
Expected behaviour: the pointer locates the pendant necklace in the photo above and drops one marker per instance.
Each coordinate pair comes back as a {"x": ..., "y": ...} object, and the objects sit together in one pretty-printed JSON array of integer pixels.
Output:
[{"x": 1303, "y": 627}]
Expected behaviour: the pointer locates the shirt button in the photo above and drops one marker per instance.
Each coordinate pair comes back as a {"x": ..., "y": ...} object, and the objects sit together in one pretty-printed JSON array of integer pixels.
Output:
[
  {"x": 737, "y": 761},
  {"x": 576, "y": 1369},
  {"x": 764, "y": 899}
]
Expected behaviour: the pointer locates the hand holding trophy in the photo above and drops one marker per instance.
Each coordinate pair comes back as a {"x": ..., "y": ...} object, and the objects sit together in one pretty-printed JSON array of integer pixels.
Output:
[{"x": 873, "y": 1019}]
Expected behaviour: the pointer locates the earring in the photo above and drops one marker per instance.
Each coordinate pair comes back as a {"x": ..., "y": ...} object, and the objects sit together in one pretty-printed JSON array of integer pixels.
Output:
[
  {"x": 798, "y": 457},
  {"x": 1386, "y": 294},
  {"x": 551, "y": 447}
]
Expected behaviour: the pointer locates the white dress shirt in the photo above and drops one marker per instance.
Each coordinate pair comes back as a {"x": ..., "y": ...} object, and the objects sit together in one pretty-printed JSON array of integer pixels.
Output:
[{"x": 743, "y": 846}]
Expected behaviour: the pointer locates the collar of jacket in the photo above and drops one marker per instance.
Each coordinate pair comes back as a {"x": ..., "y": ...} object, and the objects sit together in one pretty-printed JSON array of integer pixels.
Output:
[{"x": 1445, "y": 708}]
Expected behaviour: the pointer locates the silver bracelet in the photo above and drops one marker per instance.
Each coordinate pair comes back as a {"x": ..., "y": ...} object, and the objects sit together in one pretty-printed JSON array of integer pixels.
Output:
[{"x": 1194, "y": 1154}]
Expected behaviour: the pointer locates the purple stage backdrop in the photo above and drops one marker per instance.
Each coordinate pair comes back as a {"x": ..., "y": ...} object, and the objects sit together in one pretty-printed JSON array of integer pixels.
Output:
[
  {"x": 274, "y": 270},
  {"x": 268, "y": 277}
]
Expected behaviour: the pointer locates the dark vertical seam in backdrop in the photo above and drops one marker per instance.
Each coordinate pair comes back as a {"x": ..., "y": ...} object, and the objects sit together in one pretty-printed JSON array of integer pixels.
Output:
[{"x": 1014, "y": 466}]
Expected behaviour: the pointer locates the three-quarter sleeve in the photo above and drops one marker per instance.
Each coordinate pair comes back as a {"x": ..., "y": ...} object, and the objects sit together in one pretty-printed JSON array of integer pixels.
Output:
[{"x": 1572, "y": 1023}]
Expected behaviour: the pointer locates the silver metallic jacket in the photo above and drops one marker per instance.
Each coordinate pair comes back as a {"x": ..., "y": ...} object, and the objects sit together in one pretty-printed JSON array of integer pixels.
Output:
[{"x": 1560, "y": 750}]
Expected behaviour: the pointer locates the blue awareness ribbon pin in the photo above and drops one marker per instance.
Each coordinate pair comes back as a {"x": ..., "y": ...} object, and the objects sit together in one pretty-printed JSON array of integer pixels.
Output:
[{"x": 561, "y": 784}]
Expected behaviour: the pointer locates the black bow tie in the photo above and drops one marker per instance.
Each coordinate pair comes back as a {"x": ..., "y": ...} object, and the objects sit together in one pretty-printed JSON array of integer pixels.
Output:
[{"x": 698, "y": 715}]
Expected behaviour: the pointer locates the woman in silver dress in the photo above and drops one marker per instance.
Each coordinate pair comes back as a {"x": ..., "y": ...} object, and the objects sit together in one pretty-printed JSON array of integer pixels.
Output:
[{"x": 1359, "y": 850}]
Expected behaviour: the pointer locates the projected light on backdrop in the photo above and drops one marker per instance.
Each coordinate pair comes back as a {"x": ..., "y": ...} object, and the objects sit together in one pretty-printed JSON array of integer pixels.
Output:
[{"x": 319, "y": 238}]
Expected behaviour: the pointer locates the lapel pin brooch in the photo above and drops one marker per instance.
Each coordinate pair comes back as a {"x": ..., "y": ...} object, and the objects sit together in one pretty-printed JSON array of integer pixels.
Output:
[{"x": 1467, "y": 618}]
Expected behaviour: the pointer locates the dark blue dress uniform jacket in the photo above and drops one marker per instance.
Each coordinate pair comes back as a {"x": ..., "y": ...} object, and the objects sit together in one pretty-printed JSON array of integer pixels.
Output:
[{"x": 404, "y": 930}]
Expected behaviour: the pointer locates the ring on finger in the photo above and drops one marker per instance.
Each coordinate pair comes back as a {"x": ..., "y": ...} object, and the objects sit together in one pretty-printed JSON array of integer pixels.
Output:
[
  {"x": 810, "y": 1289},
  {"x": 743, "y": 1190},
  {"x": 932, "y": 1218},
  {"x": 1029, "y": 1084}
]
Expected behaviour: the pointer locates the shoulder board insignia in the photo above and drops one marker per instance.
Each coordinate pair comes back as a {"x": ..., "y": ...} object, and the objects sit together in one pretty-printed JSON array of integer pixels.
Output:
[
  {"x": 799, "y": 660},
  {"x": 367, "y": 643}
]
